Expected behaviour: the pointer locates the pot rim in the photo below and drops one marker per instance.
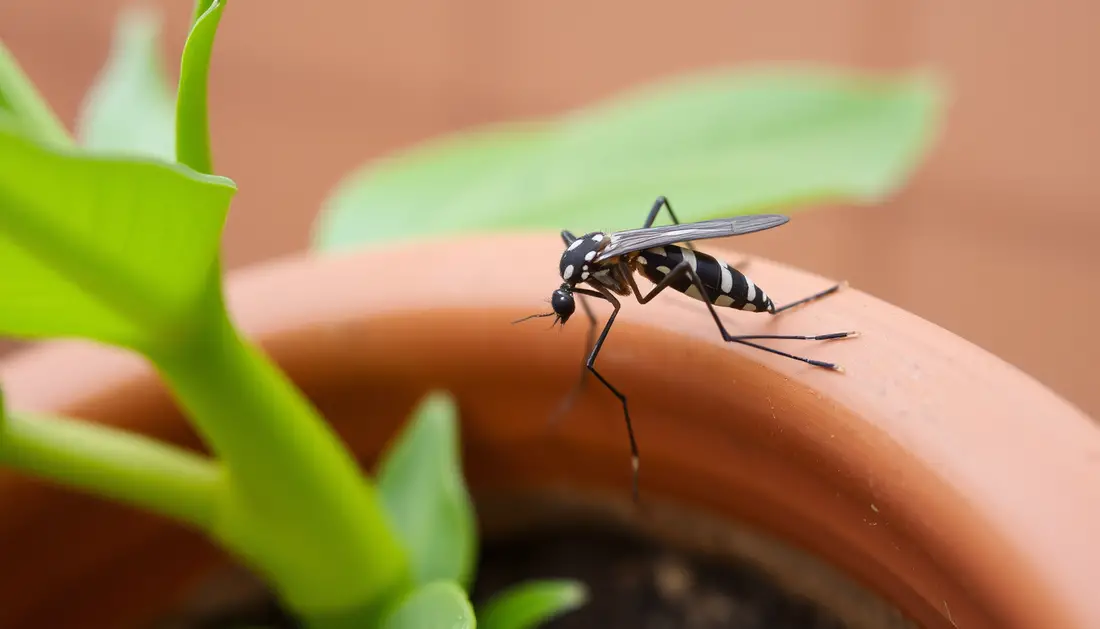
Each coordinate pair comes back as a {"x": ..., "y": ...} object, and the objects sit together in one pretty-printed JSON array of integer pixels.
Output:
[{"x": 937, "y": 438}]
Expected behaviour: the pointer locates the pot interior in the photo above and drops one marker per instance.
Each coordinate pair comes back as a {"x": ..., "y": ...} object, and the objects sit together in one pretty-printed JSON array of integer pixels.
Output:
[{"x": 675, "y": 568}]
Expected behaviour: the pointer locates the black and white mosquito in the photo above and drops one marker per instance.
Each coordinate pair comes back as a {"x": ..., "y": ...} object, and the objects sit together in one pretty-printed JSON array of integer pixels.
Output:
[{"x": 606, "y": 264}]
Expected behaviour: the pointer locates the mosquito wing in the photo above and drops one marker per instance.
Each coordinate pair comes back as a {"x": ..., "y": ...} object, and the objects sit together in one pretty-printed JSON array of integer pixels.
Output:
[{"x": 630, "y": 240}]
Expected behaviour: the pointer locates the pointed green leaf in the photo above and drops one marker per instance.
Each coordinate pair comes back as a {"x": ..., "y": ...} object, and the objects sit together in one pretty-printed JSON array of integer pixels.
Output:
[
  {"x": 528, "y": 605},
  {"x": 201, "y": 7},
  {"x": 131, "y": 106},
  {"x": 718, "y": 143},
  {"x": 192, "y": 124},
  {"x": 24, "y": 107},
  {"x": 425, "y": 494},
  {"x": 437, "y": 605},
  {"x": 112, "y": 249}
]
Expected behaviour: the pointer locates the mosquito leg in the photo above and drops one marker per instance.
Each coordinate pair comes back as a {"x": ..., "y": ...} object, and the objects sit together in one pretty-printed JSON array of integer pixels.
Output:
[
  {"x": 567, "y": 237},
  {"x": 806, "y": 300},
  {"x": 571, "y": 398},
  {"x": 685, "y": 268},
  {"x": 737, "y": 339},
  {"x": 656, "y": 209},
  {"x": 832, "y": 336},
  {"x": 590, "y": 364},
  {"x": 657, "y": 288}
]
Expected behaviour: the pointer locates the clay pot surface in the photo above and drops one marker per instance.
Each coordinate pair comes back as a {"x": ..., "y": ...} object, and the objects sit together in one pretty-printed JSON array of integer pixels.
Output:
[{"x": 944, "y": 479}]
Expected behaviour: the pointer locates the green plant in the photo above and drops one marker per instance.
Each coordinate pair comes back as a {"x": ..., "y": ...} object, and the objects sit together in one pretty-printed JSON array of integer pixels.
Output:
[
  {"x": 115, "y": 239},
  {"x": 717, "y": 143}
]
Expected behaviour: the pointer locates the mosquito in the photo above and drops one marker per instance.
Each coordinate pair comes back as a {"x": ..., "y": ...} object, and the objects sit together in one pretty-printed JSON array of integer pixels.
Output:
[{"x": 606, "y": 263}]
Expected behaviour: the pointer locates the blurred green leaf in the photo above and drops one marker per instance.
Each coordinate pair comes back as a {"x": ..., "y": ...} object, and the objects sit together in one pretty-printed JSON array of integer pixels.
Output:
[
  {"x": 131, "y": 106},
  {"x": 116, "y": 250},
  {"x": 424, "y": 491},
  {"x": 719, "y": 143},
  {"x": 437, "y": 605},
  {"x": 192, "y": 124},
  {"x": 24, "y": 107},
  {"x": 528, "y": 605},
  {"x": 418, "y": 191}
]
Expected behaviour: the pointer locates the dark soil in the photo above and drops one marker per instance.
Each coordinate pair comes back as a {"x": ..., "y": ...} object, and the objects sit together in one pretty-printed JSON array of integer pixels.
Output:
[{"x": 633, "y": 584}]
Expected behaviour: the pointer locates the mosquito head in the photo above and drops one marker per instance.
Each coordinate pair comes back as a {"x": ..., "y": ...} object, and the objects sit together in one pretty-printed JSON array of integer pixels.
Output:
[{"x": 562, "y": 303}]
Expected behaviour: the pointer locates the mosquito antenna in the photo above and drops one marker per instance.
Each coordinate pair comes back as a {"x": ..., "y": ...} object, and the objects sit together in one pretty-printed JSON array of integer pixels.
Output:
[{"x": 544, "y": 314}]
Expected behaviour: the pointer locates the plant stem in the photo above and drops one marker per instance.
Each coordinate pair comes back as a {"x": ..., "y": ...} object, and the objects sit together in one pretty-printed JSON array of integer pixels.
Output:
[
  {"x": 19, "y": 95},
  {"x": 298, "y": 508},
  {"x": 109, "y": 462}
]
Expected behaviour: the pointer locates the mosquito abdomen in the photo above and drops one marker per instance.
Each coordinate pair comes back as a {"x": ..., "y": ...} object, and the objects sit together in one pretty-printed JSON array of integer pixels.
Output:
[{"x": 725, "y": 286}]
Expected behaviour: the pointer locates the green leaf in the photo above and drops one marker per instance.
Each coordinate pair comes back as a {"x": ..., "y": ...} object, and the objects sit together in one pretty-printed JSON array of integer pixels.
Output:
[
  {"x": 528, "y": 605},
  {"x": 437, "y": 605},
  {"x": 424, "y": 184},
  {"x": 131, "y": 106},
  {"x": 24, "y": 106},
  {"x": 116, "y": 250},
  {"x": 422, "y": 486},
  {"x": 718, "y": 143},
  {"x": 192, "y": 124},
  {"x": 201, "y": 7}
]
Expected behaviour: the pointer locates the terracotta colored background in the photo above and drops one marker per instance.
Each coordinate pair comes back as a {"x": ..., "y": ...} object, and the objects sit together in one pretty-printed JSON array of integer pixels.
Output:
[{"x": 995, "y": 239}]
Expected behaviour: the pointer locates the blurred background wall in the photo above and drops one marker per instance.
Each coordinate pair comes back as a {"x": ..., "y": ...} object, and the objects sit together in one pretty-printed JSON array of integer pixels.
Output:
[{"x": 996, "y": 239}]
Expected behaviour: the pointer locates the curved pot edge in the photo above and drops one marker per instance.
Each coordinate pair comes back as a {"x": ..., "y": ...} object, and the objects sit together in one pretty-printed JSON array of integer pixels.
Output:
[{"x": 935, "y": 420}]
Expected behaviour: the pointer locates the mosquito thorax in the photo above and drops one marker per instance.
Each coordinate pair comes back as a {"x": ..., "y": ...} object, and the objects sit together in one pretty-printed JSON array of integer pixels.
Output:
[{"x": 577, "y": 259}]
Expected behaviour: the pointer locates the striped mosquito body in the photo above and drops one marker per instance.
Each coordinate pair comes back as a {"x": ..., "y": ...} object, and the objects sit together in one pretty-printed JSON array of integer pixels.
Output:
[
  {"x": 602, "y": 265},
  {"x": 726, "y": 287}
]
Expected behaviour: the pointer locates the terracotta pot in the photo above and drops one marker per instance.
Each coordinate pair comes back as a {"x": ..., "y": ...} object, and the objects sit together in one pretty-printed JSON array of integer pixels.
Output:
[{"x": 942, "y": 479}]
